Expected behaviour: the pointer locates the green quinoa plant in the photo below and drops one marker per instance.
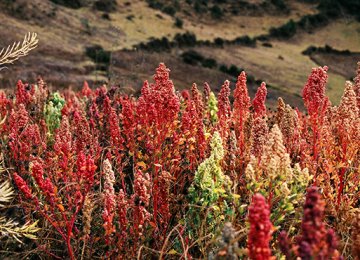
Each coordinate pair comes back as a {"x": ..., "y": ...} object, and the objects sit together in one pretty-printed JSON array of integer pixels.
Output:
[
  {"x": 52, "y": 112},
  {"x": 213, "y": 108},
  {"x": 209, "y": 195}
]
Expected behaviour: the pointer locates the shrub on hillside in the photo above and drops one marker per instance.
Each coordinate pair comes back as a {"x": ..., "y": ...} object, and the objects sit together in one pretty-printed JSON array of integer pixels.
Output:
[
  {"x": 71, "y": 3},
  {"x": 192, "y": 57},
  {"x": 187, "y": 39},
  {"x": 245, "y": 40},
  {"x": 285, "y": 31},
  {"x": 216, "y": 12},
  {"x": 179, "y": 22},
  {"x": 105, "y": 5},
  {"x": 170, "y": 10},
  {"x": 98, "y": 54}
]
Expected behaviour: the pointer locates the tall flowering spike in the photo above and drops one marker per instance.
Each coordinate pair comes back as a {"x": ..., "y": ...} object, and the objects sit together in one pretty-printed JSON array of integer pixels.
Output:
[
  {"x": 289, "y": 128},
  {"x": 86, "y": 90},
  {"x": 22, "y": 186},
  {"x": 159, "y": 103},
  {"x": 312, "y": 226},
  {"x": 280, "y": 111},
  {"x": 348, "y": 125},
  {"x": 217, "y": 149},
  {"x": 122, "y": 205},
  {"x": 45, "y": 185},
  {"x": 209, "y": 191},
  {"x": 5, "y": 106},
  {"x": 348, "y": 111},
  {"x": 227, "y": 246},
  {"x": 80, "y": 129},
  {"x": 37, "y": 172},
  {"x": 197, "y": 97},
  {"x": 85, "y": 170},
  {"x": 241, "y": 98},
  {"x": 116, "y": 139},
  {"x": 224, "y": 112},
  {"x": 207, "y": 91},
  {"x": 128, "y": 122},
  {"x": 259, "y": 101},
  {"x": 189, "y": 117},
  {"x": 63, "y": 138},
  {"x": 284, "y": 244},
  {"x": 168, "y": 101},
  {"x": 224, "y": 102},
  {"x": 315, "y": 240},
  {"x": 140, "y": 201},
  {"x": 259, "y": 134},
  {"x": 241, "y": 107},
  {"x": 145, "y": 90},
  {"x": 314, "y": 90},
  {"x": 24, "y": 138},
  {"x": 52, "y": 112},
  {"x": 24, "y": 93},
  {"x": 109, "y": 199},
  {"x": 260, "y": 229},
  {"x": 193, "y": 132},
  {"x": 275, "y": 152},
  {"x": 357, "y": 85},
  {"x": 231, "y": 156},
  {"x": 209, "y": 174},
  {"x": 185, "y": 94},
  {"x": 213, "y": 108},
  {"x": 143, "y": 106},
  {"x": 163, "y": 187},
  {"x": 162, "y": 74},
  {"x": 19, "y": 118}
]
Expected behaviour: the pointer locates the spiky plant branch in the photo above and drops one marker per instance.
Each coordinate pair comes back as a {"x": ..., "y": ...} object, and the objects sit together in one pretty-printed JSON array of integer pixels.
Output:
[
  {"x": 19, "y": 49},
  {"x": 9, "y": 227}
]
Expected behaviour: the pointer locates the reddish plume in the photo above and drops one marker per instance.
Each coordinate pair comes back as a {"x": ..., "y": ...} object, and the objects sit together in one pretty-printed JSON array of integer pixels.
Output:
[
  {"x": 259, "y": 101},
  {"x": 314, "y": 90},
  {"x": 260, "y": 229}
]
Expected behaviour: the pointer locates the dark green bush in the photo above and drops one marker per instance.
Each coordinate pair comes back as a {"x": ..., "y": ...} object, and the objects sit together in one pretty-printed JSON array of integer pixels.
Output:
[
  {"x": 219, "y": 42},
  {"x": 98, "y": 54},
  {"x": 170, "y": 10},
  {"x": 233, "y": 70},
  {"x": 179, "y": 22},
  {"x": 156, "y": 45},
  {"x": 185, "y": 40},
  {"x": 155, "y": 4},
  {"x": 192, "y": 57},
  {"x": 326, "y": 49},
  {"x": 209, "y": 63},
  {"x": 70, "y": 3},
  {"x": 309, "y": 22},
  {"x": 267, "y": 44},
  {"x": 285, "y": 31},
  {"x": 200, "y": 7},
  {"x": 216, "y": 12},
  {"x": 280, "y": 4},
  {"x": 245, "y": 40},
  {"x": 333, "y": 8},
  {"x": 105, "y": 5}
]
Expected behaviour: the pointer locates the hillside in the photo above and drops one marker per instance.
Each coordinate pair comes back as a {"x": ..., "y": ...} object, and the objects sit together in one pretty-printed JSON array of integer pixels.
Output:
[{"x": 96, "y": 43}]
